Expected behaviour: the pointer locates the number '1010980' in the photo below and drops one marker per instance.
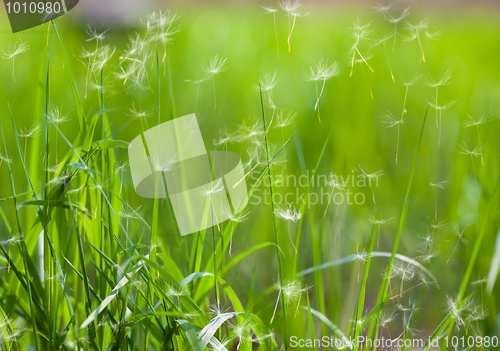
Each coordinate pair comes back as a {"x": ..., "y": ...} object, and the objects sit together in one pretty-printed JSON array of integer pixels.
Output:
[{"x": 33, "y": 7}]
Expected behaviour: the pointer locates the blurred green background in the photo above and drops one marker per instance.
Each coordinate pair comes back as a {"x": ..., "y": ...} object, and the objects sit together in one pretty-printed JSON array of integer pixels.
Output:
[{"x": 468, "y": 45}]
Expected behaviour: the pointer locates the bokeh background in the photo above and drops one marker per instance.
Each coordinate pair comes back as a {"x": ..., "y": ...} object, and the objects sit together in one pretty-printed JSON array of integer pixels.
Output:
[{"x": 468, "y": 44}]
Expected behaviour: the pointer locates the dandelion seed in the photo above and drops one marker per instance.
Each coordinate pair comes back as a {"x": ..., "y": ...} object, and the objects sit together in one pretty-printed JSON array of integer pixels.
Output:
[
  {"x": 480, "y": 282},
  {"x": 374, "y": 221},
  {"x": 408, "y": 311},
  {"x": 250, "y": 128},
  {"x": 18, "y": 49},
  {"x": 293, "y": 10},
  {"x": 11, "y": 334},
  {"x": 31, "y": 132},
  {"x": 365, "y": 176},
  {"x": 139, "y": 114},
  {"x": 234, "y": 218},
  {"x": 395, "y": 20},
  {"x": 408, "y": 84},
  {"x": 476, "y": 152},
  {"x": 292, "y": 292},
  {"x": 59, "y": 278},
  {"x": 242, "y": 331},
  {"x": 382, "y": 41},
  {"x": 94, "y": 35},
  {"x": 267, "y": 82},
  {"x": 403, "y": 271},
  {"x": 360, "y": 33},
  {"x": 427, "y": 240},
  {"x": 271, "y": 10},
  {"x": 284, "y": 119},
  {"x": 323, "y": 71},
  {"x": 133, "y": 63},
  {"x": 440, "y": 110},
  {"x": 390, "y": 121},
  {"x": 166, "y": 165},
  {"x": 336, "y": 184},
  {"x": 216, "y": 65},
  {"x": 415, "y": 32},
  {"x": 458, "y": 309},
  {"x": 56, "y": 116},
  {"x": 436, "y": 83},
  {"x": 130, "y": 213},
  {"x": 14, "y": 240},
  {"x": 378, "y": 222},
  {"x": 386, "y": 319},
  {"x": 384, "y": 8},
  {"x": 485, "y": 118},
  {"x": 427, "y": 254},
  {"x": 212, "y": 189},
  {"x": 165, "y": 32},
  {"x": 459, "y": 233},
  {"x": 435, "y": 225},
  {"x": 289, "y": 214},
  {"x": 101, "y": 57},
  {"x": 434, "y": 186}
]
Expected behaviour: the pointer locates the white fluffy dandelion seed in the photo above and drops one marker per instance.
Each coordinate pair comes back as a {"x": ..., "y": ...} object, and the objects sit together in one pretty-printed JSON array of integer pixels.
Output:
[
  {"x": 284, "y": 119},
  {"x": 403, "y": 271},
  {"x": 360, "y": 33},
  {"x": 293, "y": 10},
  {"x": 434, "y": 186},
  {"x": 225, "y": 138},
  {"x": 471, "y": 122},
  {"x": 11, "y": 53},
  {"x": 436, "y": 83},
  {"x": 216, "y": 65},
  {"x": 439, "y": 112},
  {"x": 383, "y": 41},
  {"x": 369, "y": 177},
  {"x": 292, "y": 293},
  {"x": 3, "y": 158},
  {"x": 57, "y": 116},
  {"x": 390, "y": 121},
  {"x": 334, "y": 182},
  {"x": 94, "y": 35},
  {"x": 415, "y": 32},
  {"x": 267, "y": 82},
  {"x": 395, "y": 20},
  {"x": 459, "y": 233},
  {"x": 289, "y": 214},
  {"x": 15, "y": 239},
  {"x": 272, "y": 11},
  {"x": 31, "y": 132},
  {"x": 476, "y": 152},
  {"x": 323, "y": 71},
  {"x": 166, "y": 165},
  {"x": 235, "y": 218},
  {"x": 384, "y": 8}
]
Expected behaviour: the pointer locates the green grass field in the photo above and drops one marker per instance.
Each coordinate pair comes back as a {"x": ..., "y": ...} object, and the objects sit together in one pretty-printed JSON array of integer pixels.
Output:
[{"x": 390, "y": 161}]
